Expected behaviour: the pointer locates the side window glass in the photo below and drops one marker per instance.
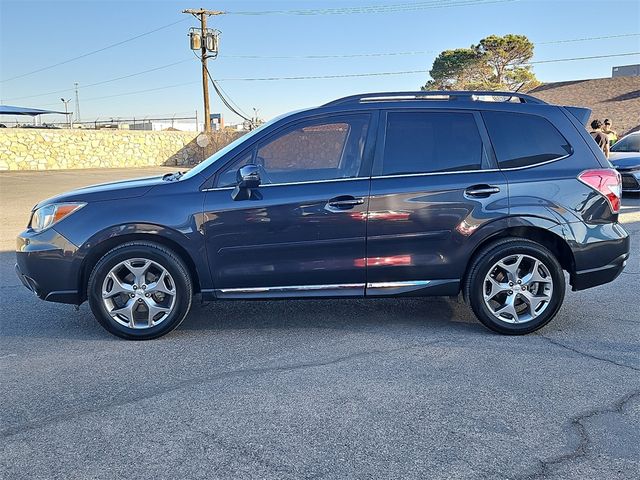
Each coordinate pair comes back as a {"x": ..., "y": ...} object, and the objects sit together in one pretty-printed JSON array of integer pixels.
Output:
[
  {"x": 228, "y": 177},
  {"x": 309, "y": 151},
  {"x": 521, "y": 140},
  {"x": 430, "y": 142}
]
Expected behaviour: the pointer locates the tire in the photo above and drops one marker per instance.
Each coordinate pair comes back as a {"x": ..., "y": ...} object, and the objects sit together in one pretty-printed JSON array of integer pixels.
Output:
[
  {"x": 535, "y": 303},
  {"x": 148, "y": 311}
]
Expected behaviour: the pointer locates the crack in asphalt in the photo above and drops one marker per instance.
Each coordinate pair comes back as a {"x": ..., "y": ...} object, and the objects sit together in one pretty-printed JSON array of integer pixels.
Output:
[
  {"x": 61, "y": 417},
  {"x": 586, "y": 354},
  {"x": 578, "y": 424}
]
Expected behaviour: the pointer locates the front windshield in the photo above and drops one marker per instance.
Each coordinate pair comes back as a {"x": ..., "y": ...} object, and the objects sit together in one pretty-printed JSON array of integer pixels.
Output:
[
  {"x": 220, "y": 153},
  {"x": 630, "y": 143}
]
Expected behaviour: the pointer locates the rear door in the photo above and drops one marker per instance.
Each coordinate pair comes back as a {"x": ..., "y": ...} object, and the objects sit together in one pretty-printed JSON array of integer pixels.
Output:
[{"x": 434, "y": 184}]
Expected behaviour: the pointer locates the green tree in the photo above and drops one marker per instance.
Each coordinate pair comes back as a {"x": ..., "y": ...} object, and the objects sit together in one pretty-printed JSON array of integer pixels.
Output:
[
  {"x": 496, "y": 63},
  {"x": 455, "y": 69}
]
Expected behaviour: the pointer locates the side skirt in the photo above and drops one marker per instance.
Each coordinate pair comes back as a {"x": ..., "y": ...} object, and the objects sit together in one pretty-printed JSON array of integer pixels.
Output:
[{"x": 416, "y": 288}]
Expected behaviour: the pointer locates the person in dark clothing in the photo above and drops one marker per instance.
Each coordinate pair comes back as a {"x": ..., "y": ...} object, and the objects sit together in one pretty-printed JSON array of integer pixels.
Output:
[{"x": 601, "y": 138}]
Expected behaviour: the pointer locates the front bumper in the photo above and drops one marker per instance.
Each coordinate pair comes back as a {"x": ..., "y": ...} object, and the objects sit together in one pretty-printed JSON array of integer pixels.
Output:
[{"x": 46, "y": 265}]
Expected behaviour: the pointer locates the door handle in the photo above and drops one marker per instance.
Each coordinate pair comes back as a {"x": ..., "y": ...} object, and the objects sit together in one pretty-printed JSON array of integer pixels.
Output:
[
  {"x": 344, "y": 202},
  {"x": 481, "y": 190}
]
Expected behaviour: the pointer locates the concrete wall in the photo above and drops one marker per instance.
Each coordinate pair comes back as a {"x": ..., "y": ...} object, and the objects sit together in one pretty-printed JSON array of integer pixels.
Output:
[{"x": 41, "y": 149}]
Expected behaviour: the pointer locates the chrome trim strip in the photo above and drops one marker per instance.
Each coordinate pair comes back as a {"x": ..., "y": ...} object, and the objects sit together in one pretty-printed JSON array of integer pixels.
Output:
[
  {"x": 294, "y": 288},
  {"x": 315, "y": 181},
  {"x": 537, "y": 164},
  {"x": 482, "y": 170},
  {"x": 412, "y": 283},
  {"x": 401, "y": 175},
  {"x": 310, "y": 182}
]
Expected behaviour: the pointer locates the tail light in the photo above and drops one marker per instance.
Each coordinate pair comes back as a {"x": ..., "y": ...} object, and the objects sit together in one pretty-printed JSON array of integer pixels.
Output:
[{"x": 607, "y": 182}]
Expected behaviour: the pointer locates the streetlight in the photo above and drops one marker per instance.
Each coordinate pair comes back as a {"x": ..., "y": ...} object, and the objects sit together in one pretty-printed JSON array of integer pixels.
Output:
[{"x": 66, "y": 112}]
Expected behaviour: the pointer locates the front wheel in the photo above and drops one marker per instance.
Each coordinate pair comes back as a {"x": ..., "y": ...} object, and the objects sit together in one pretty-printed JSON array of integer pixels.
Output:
[
  {"x": 140, "y": 291},
  {"x": 515, "y": 286}
]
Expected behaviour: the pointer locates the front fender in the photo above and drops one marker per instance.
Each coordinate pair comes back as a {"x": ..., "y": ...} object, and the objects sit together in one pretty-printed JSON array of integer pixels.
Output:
[{"x": 189, "y": 243}]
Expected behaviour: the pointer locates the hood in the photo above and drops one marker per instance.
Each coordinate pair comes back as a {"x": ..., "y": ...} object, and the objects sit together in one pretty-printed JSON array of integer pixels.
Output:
[
  {"x": 136, "y": 187},
  {"x": 625, "y": 160}
]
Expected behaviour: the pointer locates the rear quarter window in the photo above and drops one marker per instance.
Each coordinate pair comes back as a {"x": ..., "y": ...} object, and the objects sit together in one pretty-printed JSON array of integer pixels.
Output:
[{"x": 522, "y": 140}]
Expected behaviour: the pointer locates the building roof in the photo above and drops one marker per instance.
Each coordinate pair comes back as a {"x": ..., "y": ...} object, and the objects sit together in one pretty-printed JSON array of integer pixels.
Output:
[
  {"x": 32, "y": 112},
  {"x": 616, "y": 98}
]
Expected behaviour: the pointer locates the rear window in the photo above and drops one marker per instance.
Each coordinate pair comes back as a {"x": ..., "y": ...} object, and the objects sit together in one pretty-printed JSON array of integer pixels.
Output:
[
  {"x": 430, "y": 142},
  {"x": 522, "y": 140}
]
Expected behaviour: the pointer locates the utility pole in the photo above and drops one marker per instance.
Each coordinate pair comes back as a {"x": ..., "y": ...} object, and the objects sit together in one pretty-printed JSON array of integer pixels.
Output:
[
  {"x": 66, "y": 112},
  {"x": 202, "y": 15},
  {"x": 77, "y": 103}
]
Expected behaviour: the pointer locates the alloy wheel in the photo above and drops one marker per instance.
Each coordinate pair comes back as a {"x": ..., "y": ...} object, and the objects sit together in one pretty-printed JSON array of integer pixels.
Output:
[
  {"x": 518, "y": 288},
  {"x": 139, "y": 293}
]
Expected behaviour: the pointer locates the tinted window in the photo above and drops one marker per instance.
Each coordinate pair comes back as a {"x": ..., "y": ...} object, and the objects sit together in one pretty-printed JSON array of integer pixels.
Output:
[
  {"x": 427, "y": 142},
  {"x": 521, "y": 140},
  {"x": 630, "y": 143},
  {"x": 312, "y": 150}
]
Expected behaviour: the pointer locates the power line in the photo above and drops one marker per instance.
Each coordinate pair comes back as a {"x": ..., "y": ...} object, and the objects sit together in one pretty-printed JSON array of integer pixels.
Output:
[
  {"x": 154, "y": 69},
  {"x": 319, "y": 77},
  {"x": 415, "y": 52},
  {"x": 95, "y": 51},
  {"x": 406, "y": 72},
  {"x": 393, "y": 8},
  {"x": 583, "y": 58},
  {"x": 136, "y": 92},
  {"x": 314, "y": 77},
  {"x": 296, "y": 57},
  {"x": 605, "y": 37}
]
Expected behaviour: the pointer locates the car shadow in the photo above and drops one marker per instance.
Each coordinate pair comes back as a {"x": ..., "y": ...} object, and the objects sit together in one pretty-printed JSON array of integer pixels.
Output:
[{"x": 332, "y": 314}]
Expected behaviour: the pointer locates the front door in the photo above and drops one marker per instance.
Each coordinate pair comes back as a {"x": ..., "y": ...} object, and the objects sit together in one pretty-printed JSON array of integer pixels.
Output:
[
  {"x": 303, "y": 230},
  {"x": 432, "y": 187}
]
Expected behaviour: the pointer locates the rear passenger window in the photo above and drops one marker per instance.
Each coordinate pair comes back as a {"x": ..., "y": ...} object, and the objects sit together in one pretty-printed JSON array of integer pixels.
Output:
[
  {"x": 521, "y": 140},
  {"x": 430, "y": 142}
]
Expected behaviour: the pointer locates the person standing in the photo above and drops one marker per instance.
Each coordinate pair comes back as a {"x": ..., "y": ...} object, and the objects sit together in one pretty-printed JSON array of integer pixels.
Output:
[
  {"x": 601, "y": 138},
  {"x": 612, "y": 134}
]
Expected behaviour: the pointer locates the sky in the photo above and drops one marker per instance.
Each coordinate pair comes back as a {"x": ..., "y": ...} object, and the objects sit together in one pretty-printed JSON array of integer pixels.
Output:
[{"x": 397, "y": 36}]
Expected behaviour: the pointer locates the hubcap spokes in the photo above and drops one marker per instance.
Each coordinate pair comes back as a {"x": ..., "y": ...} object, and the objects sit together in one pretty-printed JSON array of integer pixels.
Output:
[
  {"x": 139, "y": 293},
  {"x": 518, "y": 288}
]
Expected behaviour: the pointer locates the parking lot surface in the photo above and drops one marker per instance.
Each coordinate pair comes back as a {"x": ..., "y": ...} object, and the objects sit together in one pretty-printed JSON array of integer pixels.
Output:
[{"x": 392, "y": 388}]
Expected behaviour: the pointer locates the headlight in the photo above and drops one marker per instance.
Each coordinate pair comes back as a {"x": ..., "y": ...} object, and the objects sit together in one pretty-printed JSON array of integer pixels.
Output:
[{"x": 50, "y": 214}]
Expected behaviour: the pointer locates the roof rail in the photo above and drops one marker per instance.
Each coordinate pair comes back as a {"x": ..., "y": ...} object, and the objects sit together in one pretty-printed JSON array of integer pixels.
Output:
[{"x": 446, "y": 95}]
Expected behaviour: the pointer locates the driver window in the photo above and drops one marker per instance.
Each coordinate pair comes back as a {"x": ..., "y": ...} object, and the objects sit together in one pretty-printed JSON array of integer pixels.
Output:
[{"x": 307, "y": 152}]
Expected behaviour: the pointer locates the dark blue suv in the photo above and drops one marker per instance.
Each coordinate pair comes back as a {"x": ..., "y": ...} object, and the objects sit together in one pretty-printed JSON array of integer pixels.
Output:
[{"x": 492, "y": 195}]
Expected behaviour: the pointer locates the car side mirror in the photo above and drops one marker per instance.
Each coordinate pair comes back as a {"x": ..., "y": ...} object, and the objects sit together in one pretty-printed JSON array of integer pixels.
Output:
[{"x": 247, "y": 178}]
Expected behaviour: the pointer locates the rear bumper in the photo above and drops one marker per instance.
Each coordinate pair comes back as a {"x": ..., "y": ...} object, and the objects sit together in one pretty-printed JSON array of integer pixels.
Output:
[
  {"x": 600, "y": 253},
  {"x": 45, "y": 264},
  {"x": 599, "y": 276}
]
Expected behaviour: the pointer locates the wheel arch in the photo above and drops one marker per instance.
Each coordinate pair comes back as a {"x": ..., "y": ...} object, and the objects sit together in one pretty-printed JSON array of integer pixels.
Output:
[
  {"x": 539, "y": 231},
  {"x": 102, "y": 243}
]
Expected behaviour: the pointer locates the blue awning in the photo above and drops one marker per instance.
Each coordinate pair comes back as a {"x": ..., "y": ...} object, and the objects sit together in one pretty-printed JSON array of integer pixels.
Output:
[{"x": 31, "y": 112}]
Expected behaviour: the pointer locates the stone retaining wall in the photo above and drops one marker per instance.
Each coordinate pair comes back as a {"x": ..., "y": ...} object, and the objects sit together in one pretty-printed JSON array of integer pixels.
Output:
[{"x": 42, "y": 149}]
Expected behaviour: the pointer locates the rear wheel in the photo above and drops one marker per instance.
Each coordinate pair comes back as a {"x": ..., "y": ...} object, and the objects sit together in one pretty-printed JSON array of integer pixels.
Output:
[
  {"x": 515, "y": 286},
  {"x": 140, "y": 291}
]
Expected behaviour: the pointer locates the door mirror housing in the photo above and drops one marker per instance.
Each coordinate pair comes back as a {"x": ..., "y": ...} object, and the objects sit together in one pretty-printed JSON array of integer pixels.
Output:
[
  {"x": 248, "y": 176},
  {"x": 248, "y": 179}
]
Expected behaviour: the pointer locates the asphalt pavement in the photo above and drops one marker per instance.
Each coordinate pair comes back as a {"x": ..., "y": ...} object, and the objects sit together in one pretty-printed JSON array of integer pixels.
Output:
[{"x": 334, "y": 389}]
